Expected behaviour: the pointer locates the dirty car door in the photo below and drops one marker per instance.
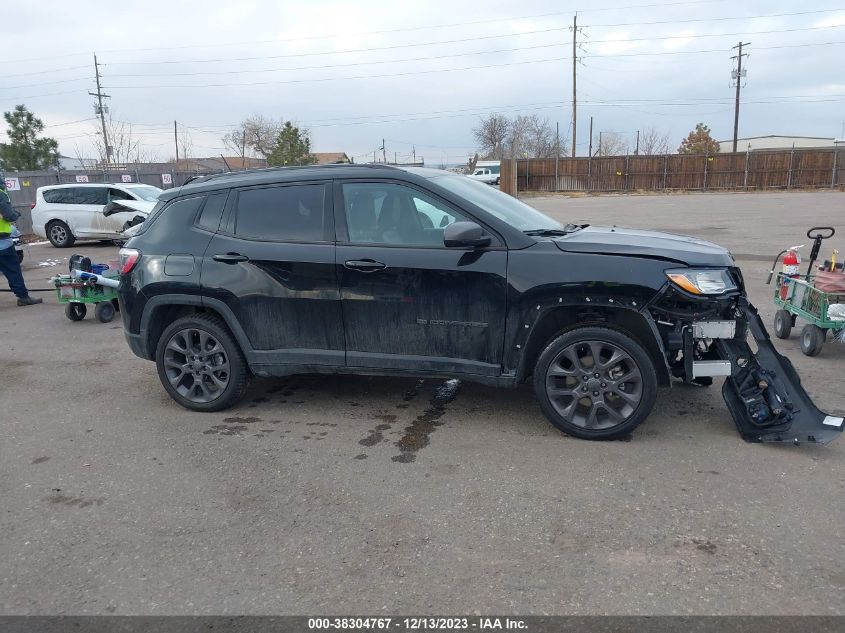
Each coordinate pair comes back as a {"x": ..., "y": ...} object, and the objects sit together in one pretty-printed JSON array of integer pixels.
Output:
[
  {"x": 272, "y": 266},
  {"x": 409, "y": 302}
]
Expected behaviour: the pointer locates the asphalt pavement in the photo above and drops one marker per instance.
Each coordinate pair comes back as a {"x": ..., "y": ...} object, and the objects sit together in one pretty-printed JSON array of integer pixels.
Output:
[{"x": 117, "y": 500}]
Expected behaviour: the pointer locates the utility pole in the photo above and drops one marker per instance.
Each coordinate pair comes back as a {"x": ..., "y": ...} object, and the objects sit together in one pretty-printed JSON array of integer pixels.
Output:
[
  {"x": 176, "y": 141},
  {"x": 738, "y": 74},
  {"x": 414, "y": 150},
  {"x": 101, "y": 111},
  {"x": 574, "y": 83},
  {"x": 383, "y": 152},
  {"x": 637, "y": 151},
  {"x": 590, "y": 151},
  {"x": 557, "y": 139}
]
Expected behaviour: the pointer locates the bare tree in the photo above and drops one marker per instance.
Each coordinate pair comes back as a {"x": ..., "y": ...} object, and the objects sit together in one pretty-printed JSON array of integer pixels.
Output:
[
  {"x": 125, "y": 146},
  {"x": 491, "y": 134},
  {"x": 186, "y": 144},
  {"x": 256, "y": 134},
  {"x": 610, "y": 144},
  {"x": 235, "y": 141},
  {"x": 524, "y": 136},
  {"x": 653, "y": 142}
]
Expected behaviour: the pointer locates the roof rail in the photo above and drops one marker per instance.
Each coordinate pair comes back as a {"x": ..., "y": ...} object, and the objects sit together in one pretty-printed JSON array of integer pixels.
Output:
[{"x": 260, "y": 170}]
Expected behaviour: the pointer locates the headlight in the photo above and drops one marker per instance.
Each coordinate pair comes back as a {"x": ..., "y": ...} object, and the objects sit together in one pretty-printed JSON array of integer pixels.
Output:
[{"x": 702, "y": 282}]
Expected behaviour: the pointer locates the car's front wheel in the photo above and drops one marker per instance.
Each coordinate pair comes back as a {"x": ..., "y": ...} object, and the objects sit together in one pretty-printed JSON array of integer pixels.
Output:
[
  {"x": 595, "y": 383},
  {"x": 60, "y": 234},
  {"x": 200, "y": 364}
]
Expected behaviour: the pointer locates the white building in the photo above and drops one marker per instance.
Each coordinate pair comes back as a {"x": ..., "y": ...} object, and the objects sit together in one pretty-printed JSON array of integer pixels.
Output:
[{"x": 774, "y": 141}]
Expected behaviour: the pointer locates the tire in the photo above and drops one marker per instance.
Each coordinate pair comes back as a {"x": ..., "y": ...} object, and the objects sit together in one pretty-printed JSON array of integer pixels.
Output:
[
  {"x": 180, "y": 360},
  {"x": 783, "y": 324},
  {"x": 75, "y": 311},
  {"x": 812, "y": 339},
  {"x": 104, "y": 312},
  {"x": 576, "y": 401},
  {"x": 60, "y": 234}
]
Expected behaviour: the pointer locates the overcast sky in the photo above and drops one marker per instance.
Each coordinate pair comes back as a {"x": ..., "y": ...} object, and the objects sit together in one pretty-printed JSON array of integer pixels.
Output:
[{"x": 419, "y": 74}]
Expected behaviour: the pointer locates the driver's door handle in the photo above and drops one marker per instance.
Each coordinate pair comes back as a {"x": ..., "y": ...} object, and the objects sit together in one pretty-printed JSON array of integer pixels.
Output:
[
  {"x": 230, "y": 258},
  {"x": 364, "y": 265}
]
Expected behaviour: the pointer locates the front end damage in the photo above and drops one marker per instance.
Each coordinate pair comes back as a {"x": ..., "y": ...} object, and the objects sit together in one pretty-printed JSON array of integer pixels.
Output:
[{"x": 706, "y": 337}]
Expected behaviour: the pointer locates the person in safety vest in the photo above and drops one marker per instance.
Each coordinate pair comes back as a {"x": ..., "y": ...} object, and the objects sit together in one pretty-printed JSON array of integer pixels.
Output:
[{"x": 9, "y": 264}]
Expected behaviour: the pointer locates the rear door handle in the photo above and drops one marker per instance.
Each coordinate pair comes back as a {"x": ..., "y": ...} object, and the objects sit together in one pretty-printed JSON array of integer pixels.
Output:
[
  {"x": 364, "y": 265},
  {"x": 230, "y": 258}
]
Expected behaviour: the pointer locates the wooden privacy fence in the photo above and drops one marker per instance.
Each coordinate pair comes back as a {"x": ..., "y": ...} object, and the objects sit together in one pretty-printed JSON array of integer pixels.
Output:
[{"x": 810, "y": 168}]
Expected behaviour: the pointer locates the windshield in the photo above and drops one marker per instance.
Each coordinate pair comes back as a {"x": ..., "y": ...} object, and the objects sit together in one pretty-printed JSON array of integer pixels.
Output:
[
  {"x": 507, "y": 208},
  {"x": 146, "y": 192}
]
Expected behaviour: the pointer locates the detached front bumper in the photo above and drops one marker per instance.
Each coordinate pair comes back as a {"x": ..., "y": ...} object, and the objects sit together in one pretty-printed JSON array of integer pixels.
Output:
[
  {"x": 763, "y": 391},
  {"x": 709, "y": 338}
]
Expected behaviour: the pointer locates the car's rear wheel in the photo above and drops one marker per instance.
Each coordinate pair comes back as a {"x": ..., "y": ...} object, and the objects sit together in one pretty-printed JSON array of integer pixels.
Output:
[
  {"x": 200, "y": 364},
  {"x": 595, "y": 383},
  {"x": 60, "y": 234}
]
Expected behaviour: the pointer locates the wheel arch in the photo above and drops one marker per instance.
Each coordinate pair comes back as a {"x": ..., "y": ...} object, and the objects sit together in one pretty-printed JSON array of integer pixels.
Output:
[
  {"x": 560, "y": 319},
  {"x": 162, "y": 310}
]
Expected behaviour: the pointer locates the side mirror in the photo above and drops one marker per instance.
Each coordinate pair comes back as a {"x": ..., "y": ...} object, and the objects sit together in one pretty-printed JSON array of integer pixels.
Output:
[{"x": 465, "y": 234}]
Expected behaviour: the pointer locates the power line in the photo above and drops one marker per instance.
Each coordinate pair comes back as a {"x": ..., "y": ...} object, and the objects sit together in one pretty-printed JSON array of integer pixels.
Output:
[
  {"x": 321, "y": 79},
  {"x": 716, "y": 19},
  {"x": 342, "y": 52},
  {"x": 685, "y": 37},
  {"x": 325, "y": 66},
  {"x": 378, "y": 32}
]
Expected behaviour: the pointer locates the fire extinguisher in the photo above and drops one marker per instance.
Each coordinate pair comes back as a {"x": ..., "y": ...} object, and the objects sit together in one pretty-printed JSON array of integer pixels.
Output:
[{"x": 791, "y": 263}]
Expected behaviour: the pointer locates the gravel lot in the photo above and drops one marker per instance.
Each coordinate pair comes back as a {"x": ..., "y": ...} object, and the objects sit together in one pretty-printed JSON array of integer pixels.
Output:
[{"x": 116, "y": 500}]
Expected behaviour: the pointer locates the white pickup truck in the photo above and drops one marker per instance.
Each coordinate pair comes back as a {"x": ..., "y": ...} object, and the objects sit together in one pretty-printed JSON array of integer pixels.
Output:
[{"x": 485, "y": 174}]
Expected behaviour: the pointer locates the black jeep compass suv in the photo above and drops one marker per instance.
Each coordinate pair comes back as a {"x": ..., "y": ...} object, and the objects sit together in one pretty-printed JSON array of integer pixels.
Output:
[{"x": 419, "y": 272}]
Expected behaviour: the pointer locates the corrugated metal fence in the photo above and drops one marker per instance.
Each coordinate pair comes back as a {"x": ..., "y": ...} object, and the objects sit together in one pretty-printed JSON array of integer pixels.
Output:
[
  {"x": 29, "y": 181},
  {"x": 751, "y": 170}
]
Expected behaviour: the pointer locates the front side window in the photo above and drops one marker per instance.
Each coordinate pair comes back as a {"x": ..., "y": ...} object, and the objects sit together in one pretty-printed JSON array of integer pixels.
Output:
[
  {"x": 90, "y": 195},
  {"x": 117, "y": 194},
  {"x": 287, "y": 213},
  {"x": 386, "y": 213}
]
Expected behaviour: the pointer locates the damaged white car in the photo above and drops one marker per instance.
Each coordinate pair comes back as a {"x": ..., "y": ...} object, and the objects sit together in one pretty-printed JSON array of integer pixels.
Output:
[{"x": 66, "y": 213}]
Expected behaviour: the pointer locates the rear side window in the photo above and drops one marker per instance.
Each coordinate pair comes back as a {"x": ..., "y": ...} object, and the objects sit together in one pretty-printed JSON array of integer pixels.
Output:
[
  {"x": 288, "y": 213},
  {"x": 212, "y": 212},
  {"x": 58, "y": 196}
]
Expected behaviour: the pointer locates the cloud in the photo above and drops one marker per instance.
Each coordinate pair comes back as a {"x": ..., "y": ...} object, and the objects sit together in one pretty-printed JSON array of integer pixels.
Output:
[{"x": 679, "y": 41}]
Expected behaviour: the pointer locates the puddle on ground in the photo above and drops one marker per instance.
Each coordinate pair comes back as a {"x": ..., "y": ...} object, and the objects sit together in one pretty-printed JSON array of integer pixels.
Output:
[{"x": 418, "y": 434}]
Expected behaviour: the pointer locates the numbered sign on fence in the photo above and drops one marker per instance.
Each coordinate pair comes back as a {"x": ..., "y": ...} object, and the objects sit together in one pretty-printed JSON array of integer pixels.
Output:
[
  {"x": 13, "y": 184},
  {"x": 166, "y": 179},
  {"x": 125, "y": 178},
  {"x": 82, "y": 179}
]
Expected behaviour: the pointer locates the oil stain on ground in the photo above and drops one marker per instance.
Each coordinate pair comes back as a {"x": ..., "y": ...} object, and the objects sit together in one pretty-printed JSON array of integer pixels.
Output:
[
  {"x": 79, "y": 502},
  {"x": 418, "y": 434},
  {"x": 376, "y": 434}
]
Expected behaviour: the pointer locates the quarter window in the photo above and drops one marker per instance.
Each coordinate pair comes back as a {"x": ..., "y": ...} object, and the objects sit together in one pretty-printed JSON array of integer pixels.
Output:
[
  {"x": 290, "y": 213},
  {"x": 212, "y": 211},
  {"x": 384, "y": 213}
]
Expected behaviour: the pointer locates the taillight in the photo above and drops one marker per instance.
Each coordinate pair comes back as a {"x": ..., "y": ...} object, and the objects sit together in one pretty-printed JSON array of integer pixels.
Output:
[
  {"x": 128, "y": 258},
  {"x": 31, "y": 205}
]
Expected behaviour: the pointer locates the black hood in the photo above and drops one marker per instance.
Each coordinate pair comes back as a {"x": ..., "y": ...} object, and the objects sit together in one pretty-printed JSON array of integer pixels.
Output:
[{"x": 635, "y": 243}]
